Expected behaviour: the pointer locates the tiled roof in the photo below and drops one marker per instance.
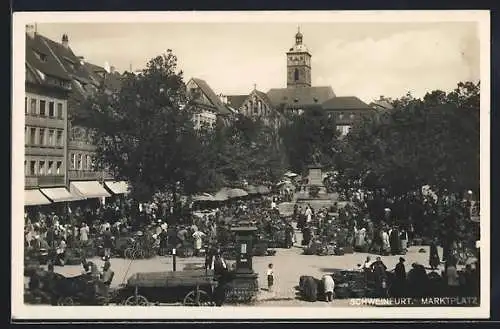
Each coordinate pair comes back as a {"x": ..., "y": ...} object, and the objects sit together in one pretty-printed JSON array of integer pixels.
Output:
[
  {"x": 214, "y": 99},
  {"x": 300, "y": 96},
  {"x": 382, "y": 104},
  {"x": 49, "y": 65},
  {"x": 264, "y": 97},
  {"x": 113, "y": 81},
  {"x": 236, "y": 101},
  {"x": 95, "y": 72},
  {"x": 345, "y": 103},
  {"x": 71, "y": 63}
]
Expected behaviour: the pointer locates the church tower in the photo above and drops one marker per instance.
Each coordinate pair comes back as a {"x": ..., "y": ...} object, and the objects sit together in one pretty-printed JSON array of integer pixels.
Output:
[{"x": 298, "y": 64}]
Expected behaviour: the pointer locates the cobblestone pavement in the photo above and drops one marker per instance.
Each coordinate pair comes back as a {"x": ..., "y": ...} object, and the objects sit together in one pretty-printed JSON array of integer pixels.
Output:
[{"x": 289, "y": 265}]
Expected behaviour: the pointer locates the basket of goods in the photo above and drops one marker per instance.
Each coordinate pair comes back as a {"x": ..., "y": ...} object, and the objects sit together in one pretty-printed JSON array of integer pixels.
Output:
[
  {"x": 73, "y": 256},
  {"x": 313, "y": 249},
  {"x": 339, "y": 251},
  {"x": 309, "y": 288}
]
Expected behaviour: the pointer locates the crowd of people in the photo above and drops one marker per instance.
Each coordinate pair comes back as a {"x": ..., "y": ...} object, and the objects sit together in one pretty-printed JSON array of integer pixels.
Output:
[{"x": 98, "y": 228}]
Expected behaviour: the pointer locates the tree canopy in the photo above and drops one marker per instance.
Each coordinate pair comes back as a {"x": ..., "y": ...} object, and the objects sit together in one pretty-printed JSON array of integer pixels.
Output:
[
  {"x": 244, "y": 150},
  {"x": 145, "y": 135},
  {"x": 431, "y": 141},
  {"x": 144, "y": 131},
  {"x": 310, "y": 138}
]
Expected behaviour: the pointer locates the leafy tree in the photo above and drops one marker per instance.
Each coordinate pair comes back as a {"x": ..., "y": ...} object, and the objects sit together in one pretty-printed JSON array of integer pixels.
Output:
[
  {"x": 434, "y": 140},
  {"x": 144, "y": 131},
  {"x": 310, "y": 138},
  {"x": 244, "y": 149}
]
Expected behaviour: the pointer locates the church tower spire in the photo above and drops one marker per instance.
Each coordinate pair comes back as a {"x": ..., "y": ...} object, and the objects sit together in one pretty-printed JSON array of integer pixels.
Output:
[{"x": 298, "y": 64}]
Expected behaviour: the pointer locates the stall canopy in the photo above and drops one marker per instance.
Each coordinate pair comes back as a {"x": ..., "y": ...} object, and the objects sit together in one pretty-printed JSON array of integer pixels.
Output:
[
  {"x": 35, "y": 198},
  {"x": 120, "y": 187},
  {"x": 236, "y": 193},
  {"x": 229, "y": 193},
  {"x": 290, "y": 174},
  {"x": 251, "y": 189},
  {"x": 261, "y": 189},
  {"x": 89, "y": 189},
  {"x": 204, "y": 197},
  {"x": 60, "y": 194}
]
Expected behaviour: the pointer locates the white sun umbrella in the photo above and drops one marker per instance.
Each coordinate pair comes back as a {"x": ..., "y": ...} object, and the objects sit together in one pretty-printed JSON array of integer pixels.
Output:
[
  {"x": 203, "y": 197},
  {"x": 290, "y": 174},
  {"x": 236, "y": 193}
]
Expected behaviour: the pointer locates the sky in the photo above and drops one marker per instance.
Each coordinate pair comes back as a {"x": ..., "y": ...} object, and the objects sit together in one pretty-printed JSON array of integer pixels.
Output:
[{"x": 366, "y": 60}]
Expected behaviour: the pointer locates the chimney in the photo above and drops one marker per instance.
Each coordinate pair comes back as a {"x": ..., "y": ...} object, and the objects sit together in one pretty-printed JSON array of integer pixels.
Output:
[
  {"x": 31, "y": 30},
  {"x": 65, "y": 41}
]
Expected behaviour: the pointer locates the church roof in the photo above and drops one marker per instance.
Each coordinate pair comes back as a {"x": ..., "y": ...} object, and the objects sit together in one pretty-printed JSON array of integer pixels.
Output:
[
  {"x": 212, "y": 97},
  {"x": 236, "y": 101},
  {"x": 345, "y": 103},
  {"x": 300, "y": 96},
  {"x": 264, "y": 97}
]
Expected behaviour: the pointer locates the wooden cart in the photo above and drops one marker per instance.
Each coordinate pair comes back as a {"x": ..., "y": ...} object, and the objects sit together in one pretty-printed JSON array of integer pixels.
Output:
[{"x": 191, "y": 287}]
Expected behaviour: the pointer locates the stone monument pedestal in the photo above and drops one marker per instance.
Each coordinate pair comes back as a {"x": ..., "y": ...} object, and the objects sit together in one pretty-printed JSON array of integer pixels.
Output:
[{"x": 315, "y": 178}]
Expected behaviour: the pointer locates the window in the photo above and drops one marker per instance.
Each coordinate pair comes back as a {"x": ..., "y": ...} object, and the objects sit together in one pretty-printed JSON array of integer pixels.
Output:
[
  {"x": 59, "y": 140},
  {"x": 50, "y": 167},
  {"x": 59, "y": 110},
  {"x": 32, "y": 168},
  {"x": 58, "y": 167},
  {"x": 51, "y": 137},
  {"x": 296, "y": 75},
  {"x": 341, "y": 116},
  {"x": 42, "y": 108},
  {"x": 351, "y": 116},
  {"x": 41, "y": 168},
  {"x": 33, "y": 106},
  {"x": 80, "y": 162},
  {"x": 41, "y": 56},
  {"x": 32, "y": 136},
  {"x": 25, "y": 105},
  {"x": 26, "y": 139},
  {"x": 88, "y": 162},
  {"x": 41, "y": 140},
  {"x": 25, "y": 167},
  {"x": 51, "y": 110},
  {"x": 73, "y": 161}
]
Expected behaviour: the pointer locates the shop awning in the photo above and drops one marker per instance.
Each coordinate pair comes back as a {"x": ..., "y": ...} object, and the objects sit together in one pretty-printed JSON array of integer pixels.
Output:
[
  {"x": 35, "y": 198},
  {"x": 89, "y": 189},
  {"x": 60, "y": 194},
  {"x": 120, "y": 187}
]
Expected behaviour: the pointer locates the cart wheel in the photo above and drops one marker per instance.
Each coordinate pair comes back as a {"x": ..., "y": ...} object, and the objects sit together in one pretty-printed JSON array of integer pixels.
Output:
[
  {"x": 65, "y": 301},
  {"x": 203, "y": 299},
  {"x": 136, "y": 301},
  {"x": 138, "y": 254},
  {"x": 128, "y": 253}
]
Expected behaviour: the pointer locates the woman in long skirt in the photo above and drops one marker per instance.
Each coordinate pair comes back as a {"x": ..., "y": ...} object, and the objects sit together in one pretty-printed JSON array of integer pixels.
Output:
[{"x": 433, "y": 255}]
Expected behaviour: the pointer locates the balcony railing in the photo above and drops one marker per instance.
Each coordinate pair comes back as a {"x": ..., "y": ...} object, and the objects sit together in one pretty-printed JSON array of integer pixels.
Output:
[
  {"x": 88, "y": 175},
  {"x": 42, "y": 181}
]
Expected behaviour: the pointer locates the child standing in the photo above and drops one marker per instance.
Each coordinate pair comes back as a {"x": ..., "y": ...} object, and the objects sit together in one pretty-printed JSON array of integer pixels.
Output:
[{"x": 270, "y": 277}]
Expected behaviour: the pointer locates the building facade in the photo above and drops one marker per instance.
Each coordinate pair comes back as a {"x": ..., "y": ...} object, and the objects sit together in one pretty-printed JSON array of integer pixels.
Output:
[
  {"x": 59, "y": 157},
  {"x": 207, "y": 104},
  {"x": 47, "y": 89}
]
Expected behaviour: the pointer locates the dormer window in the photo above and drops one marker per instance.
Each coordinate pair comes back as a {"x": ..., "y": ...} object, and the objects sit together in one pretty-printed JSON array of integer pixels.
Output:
[{"x": 40, "y": 56}]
